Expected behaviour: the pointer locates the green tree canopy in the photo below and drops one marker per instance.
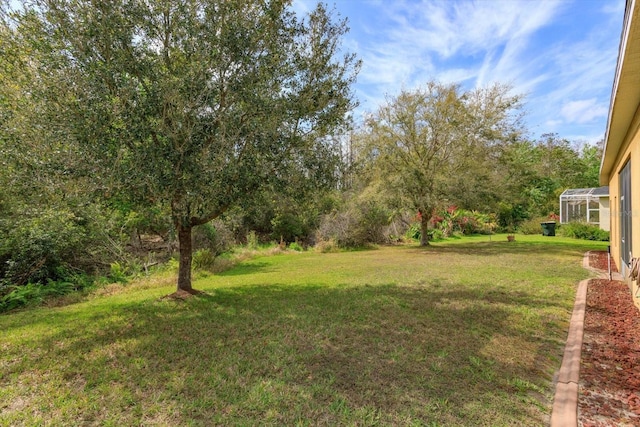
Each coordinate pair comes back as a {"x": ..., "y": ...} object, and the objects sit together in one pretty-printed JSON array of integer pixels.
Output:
[
  {"x": 191, "y": 104},
  {"x": 428, "y": 147},
  {"x": 537, "y": 172}
]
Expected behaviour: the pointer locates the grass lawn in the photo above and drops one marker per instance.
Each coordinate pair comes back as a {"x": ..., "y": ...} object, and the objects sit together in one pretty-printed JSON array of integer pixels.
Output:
[{"x": 465, "y": 332}]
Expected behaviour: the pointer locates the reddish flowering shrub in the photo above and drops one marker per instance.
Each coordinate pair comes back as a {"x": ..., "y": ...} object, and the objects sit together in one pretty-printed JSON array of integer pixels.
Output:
[
  {"x": 436, "y": 219},
  {"x": 447, "y": 222}
]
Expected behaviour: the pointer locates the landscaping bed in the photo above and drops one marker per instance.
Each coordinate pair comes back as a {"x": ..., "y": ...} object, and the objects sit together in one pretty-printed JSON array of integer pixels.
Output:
[{"x": 609, "y": 376}]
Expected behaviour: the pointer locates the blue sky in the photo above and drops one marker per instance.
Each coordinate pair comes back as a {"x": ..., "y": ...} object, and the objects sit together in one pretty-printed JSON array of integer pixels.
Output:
[{"x": 561, "y": 54}]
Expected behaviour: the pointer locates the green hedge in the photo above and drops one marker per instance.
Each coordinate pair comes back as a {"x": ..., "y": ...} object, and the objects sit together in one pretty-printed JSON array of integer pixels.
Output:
[{"x": 581, "y": 230}]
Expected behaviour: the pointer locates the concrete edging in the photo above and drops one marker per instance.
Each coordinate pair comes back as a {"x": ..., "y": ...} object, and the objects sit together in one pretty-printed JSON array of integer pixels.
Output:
[{"x": 565, "y": 402}]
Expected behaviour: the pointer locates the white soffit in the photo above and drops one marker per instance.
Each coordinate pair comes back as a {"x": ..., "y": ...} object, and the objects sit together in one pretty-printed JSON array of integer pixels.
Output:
[{"x": 625, "y": 97}]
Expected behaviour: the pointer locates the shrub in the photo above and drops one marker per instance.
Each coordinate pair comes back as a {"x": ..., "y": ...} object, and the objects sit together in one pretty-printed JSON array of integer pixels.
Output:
[
  {"x": 118, "y": 272},
  {"x": 295, "y": 246},
  {"x": 510, "y": 215},
  {"x": 58, "y": 242},
  {"x": 339, "y": 228},
  {"x": 215, "y": 237},
  {"x": 326, "y": 246},
  {"x": 39, "y": 247},
  {"x": 360, "y": 224},
  {"x": 287, "y": 226},
  {"x": 203, "y": 259},
  {"x": 32, "y": 294},
  {"x": 436, "y": 234},
  {"x": 252, "y": 240},
  {"x": 454, "y": 221},
  {"x": 413, "y": 232},
  {"x": 53, "y": 250},
  {"x": 532, "y": 226},
  {"x": 581, "y": 230}
]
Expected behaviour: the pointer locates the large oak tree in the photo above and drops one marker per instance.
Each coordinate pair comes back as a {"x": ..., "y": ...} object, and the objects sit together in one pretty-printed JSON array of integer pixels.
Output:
[
  {"x": 434, "y": 145},
  {"x": 194, "y": 104}
]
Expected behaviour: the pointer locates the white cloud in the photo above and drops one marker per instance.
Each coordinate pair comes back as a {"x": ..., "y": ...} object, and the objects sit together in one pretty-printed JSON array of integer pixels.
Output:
[
  {"x": 410, "y": 41},
  {"x": 303, "y": 7},
  {"x": 455, "y": 75},
  {"x": 467, "y": 28},
  {"x": 561, "y": 54},
  {"x": 615, "y": 9},
  {"x": 583, "y": 111}
]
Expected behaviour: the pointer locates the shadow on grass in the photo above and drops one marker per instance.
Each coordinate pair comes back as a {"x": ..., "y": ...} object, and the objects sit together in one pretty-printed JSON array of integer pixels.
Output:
[
  {"x": 282, "y": 354},
  {"x": 247, "y": 268},
  {"x": 499, "y": 248}
]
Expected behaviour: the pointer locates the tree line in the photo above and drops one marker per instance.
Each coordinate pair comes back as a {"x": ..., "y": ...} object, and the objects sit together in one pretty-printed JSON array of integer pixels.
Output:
[{"x": 195, "y": 124}]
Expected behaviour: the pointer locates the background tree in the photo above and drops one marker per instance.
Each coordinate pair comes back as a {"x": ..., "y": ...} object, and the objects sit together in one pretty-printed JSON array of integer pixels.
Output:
[
  {"x": 49, "y": 228},
  {"x": 190, "y": 104},
  {"x": 424, "y": 146},
  {"x": 537, "y": 172}
]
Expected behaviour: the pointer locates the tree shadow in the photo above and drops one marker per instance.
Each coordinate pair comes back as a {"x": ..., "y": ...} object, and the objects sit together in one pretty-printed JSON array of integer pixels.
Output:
[
  {"x": 418, "y": 352},
  {"x": 500, "y": 248},
  {"x": 245, "y": 268}
]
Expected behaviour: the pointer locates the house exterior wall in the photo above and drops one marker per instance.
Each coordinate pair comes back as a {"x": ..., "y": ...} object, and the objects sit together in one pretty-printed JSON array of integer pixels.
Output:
[
  {"x": 605, "y": 213},
  {"x": 622, "y": 144},
  {"x": 630, "y": 153}
]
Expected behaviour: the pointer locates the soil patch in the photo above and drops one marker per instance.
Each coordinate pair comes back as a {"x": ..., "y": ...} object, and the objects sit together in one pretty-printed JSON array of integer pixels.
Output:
[
  {"x": 609, "y": 392},
  {"x": 181, "y": 295},
  {"x": 599, "y": 260}
]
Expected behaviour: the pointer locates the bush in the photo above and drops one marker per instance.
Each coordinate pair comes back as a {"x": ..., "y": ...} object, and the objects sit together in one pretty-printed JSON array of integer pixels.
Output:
[
  {"x": 32, "y": 294},
  {"x": 118, "y": 273},
  {"x": 581, "y": 230},
  {"x": 340, "y": 229},
  {"x": 454, "y": 222},
  {"x": 510, "y": 215},
  {"x": 295, "y": 246},
  {"x": 56, "y": 249},
  {"x": 361, "y": 224},
  {"x": 203, "y": 259},
  {"x": 436, "y": 234},
  {"x": 413, "y": 232},
  {"x": 288, "y": 226},
  {"x": 214, "y": 236},
  {"x": 43, "y": 247},
  {"x": 532, "y": 226},
  {"x": 252, "y": 240},
  {"x": 326, "y": 246}
]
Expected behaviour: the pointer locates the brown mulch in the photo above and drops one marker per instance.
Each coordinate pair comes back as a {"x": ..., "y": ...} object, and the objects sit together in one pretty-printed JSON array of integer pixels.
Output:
[{"x": 610, "y": 363}]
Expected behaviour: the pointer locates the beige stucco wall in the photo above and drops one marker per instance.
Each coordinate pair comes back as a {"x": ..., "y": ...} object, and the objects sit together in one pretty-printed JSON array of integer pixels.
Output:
[
  {"x": 622, "y": 142},
  {"x": 614, "y": 197},
  {"x": 630, "y": 152},
  {"x": 605, "y": 213}
]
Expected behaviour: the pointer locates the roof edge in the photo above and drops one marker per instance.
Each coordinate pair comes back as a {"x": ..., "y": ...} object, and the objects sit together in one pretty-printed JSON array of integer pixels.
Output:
[{"x": 606, "y": 163}]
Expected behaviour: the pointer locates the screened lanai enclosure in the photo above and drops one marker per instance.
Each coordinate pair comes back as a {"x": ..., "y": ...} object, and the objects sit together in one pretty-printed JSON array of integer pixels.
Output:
[{"x": 589, "y": 205}]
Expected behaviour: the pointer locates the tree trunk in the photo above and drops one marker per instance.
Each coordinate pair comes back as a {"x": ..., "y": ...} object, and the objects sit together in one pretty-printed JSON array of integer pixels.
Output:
[
  {"x": 186, "y": 252},
  {"x": 424, "y": 229}
]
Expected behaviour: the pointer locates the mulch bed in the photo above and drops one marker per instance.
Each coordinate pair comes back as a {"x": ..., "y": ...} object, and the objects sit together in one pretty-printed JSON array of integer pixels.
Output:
[{"x": 610, "y": 363}]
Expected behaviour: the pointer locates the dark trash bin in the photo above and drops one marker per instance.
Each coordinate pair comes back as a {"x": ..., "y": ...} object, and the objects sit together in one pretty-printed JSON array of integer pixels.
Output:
[{"x": 548, "y": 228}]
